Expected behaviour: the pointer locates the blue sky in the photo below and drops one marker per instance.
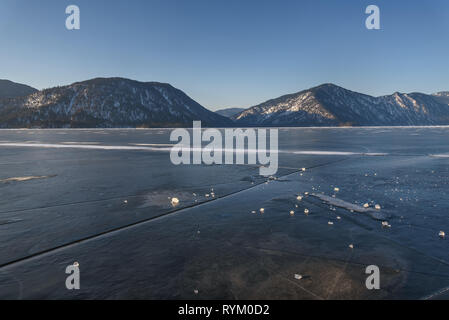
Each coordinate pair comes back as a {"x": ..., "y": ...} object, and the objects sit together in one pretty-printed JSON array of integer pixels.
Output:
[{"x": 230, "y": 53}]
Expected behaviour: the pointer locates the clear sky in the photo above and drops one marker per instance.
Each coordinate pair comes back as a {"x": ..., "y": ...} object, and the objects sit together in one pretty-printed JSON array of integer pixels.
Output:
[{"x": 230, "y": 53}]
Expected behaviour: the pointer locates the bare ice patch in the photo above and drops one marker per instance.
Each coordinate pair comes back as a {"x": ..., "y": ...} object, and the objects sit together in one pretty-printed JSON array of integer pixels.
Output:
[{"x": 5, "y": 222}]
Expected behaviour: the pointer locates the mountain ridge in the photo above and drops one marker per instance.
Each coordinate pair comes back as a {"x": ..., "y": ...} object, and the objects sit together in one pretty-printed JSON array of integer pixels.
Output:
[
  {"x": 442, "y": 96},
  {"x": 107, "y": 102},
  {"x": 120, "y": 102},
  {"x": 332, "y": 105},
  {"x": 229, "y": 112},
  {"x": 10, "y": 89}
]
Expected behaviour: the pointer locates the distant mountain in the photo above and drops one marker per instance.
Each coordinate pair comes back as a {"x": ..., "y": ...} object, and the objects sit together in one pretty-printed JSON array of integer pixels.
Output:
[
  {"x": 107, "y": 102},
  {"x": 442, "y": 96},
  {"x": 229, "y": 112},
  {"x": 118, "y": 102},
  {"x": 330, "y": 105},
  {"x": 9, "y": 89}
]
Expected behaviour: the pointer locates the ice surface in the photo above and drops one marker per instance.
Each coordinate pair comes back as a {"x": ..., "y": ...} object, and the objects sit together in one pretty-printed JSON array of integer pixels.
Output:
[{"x": 110, "y": 210}]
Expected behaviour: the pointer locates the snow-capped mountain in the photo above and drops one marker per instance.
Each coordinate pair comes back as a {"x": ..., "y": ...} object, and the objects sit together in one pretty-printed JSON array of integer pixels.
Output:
[
  {"x": 9, "y": 89},
  {"x": 118, "y": 102},
  {"x": 229, "y": 112},
  {"x": 330, "y": 105},
  {"x": 107, "y": 102}
]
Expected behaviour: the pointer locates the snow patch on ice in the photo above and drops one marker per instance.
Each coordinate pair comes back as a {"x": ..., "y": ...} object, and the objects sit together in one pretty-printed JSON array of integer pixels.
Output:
[
  {"x": 375, "y": 214},
  {"x": 167, "y": 147},
  {"x": 23, "y": 179},
  {"x": 440, "y": 155},
  {"x": 82, "y": 146},
  {"x": 338, "y": 153}
]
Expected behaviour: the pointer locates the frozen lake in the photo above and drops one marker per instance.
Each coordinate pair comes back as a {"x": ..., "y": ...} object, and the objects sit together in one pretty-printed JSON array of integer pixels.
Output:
[{"x": 102, "y": 198}]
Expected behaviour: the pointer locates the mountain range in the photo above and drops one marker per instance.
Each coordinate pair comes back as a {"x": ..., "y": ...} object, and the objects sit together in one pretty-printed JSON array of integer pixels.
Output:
[
  {"x": 331, "y": 105},
  {"x": 106, "y": 103},
  {"x": 119, "y": 102},
  {"x": 229, "y": 112}
]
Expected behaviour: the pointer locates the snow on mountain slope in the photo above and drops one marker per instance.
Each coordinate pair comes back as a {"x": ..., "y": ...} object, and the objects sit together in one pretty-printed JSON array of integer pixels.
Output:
[
  {"x": 118, "y": 102},
  {"x": 107, "y": 102},
  {"x": 330, "y": 105}
]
